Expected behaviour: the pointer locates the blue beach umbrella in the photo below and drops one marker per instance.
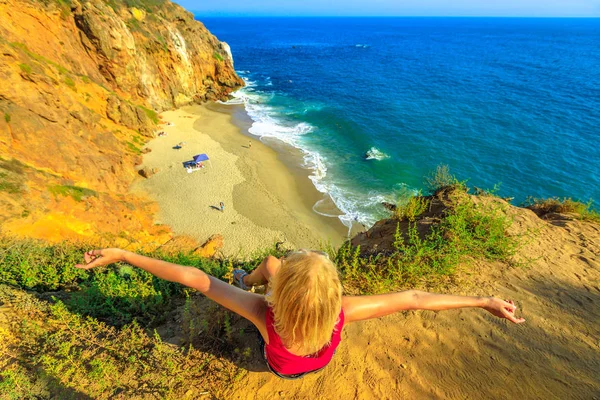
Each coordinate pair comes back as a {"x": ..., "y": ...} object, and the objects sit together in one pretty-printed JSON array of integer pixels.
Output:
[{"x": 201, "y": 157}]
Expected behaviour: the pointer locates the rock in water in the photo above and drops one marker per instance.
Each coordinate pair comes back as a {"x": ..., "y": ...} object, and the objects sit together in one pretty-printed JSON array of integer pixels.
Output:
[{"x": 375, "y": 154}]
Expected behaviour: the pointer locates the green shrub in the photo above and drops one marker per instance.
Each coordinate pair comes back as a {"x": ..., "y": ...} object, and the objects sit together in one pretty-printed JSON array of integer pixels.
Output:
[
  {"x": 150, "y": 114},
  {"x": 146, "y": 5},
  {"x": 14, "y": 382},
  {"x": 467, "y": 231},
  {"x": 133, "y": 148},
  {"x": 134, "y": 25},
  {"x": 7, "y": 118},
  {"x": 565, "y": 205},
  {"x": 217, "y": 56},
  {"x": 77, "y": 193},
  {"x": 25, "y": 68},
  {"x": 121, "y": 294},
  {"x": 9, "y": 184},
  {"x": 138, "y": 140},
  {"x": 70, "y": 83},
  {"x": 36, "y": 265},
  {"x": 117, "y": 294},
  {"x": 441, "y": 178},
  {"x": 411, "y": 208}
]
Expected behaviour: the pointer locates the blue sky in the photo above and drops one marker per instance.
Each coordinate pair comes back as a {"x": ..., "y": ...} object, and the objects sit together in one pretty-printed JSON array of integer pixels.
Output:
[{"x": 514, "y": 8}]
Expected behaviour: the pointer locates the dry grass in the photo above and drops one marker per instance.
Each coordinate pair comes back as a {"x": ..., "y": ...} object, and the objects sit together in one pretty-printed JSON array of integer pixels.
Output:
[{"x": 542, "y": 207}]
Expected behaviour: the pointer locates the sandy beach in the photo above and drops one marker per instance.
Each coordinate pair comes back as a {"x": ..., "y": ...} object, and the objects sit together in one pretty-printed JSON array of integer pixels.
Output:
[{"x": 265, "y": 201}]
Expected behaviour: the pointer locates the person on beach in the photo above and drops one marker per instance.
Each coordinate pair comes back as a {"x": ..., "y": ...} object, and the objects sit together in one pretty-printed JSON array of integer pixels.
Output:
[
  {"x": 249, "y": 145},
  {"x": 301, "y": 317},
  {"x": 222, "y": 206}
]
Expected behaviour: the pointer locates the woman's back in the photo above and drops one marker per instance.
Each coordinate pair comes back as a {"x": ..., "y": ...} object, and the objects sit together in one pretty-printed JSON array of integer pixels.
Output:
[{"x": 283, "y": 361}]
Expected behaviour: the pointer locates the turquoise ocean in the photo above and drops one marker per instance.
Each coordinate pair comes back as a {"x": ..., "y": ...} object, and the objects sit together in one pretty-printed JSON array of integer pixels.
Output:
[{"x": 376, "y": 104}]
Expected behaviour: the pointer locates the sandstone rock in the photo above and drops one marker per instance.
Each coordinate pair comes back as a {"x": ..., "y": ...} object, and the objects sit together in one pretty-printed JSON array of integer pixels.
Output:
[
  {"x": 112, "y": 109},
  {"x": 147, "y": 172},
  {"x": 210, "y": 247}
]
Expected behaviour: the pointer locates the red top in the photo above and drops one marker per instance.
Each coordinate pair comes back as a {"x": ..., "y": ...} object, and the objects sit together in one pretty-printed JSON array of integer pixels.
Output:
[{"x": 286, "y": 363}]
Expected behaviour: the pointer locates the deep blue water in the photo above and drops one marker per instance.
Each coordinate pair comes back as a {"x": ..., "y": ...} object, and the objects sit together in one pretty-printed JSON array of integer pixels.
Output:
[{"x": 514, "y": 102}]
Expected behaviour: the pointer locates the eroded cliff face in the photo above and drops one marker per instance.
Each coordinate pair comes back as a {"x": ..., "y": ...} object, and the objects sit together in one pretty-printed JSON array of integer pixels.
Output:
[{"x": 80, "y": 85}]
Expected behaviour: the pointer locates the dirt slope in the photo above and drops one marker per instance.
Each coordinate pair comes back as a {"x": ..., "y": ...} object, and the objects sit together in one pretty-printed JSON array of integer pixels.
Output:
[{"x": 468, "y": 354}]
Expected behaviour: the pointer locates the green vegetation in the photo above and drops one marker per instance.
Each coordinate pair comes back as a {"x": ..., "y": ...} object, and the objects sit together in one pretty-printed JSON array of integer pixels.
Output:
[
  {"x": 133, "y": 148},
  {"x": 468, "y": 232},
  {"x": 112, "y": 4},
  {"x": 11, "y": 175},
  {"x": 566, "y": 205},
  {"x": 146, "y": 5},
  {"x": 7, "y": 118},
  {"x": 411, "y": 208},
  {"x": 58, "y": 352},
  {"x": 427, "y": 251},
  {"x": 77, "y": 193},
  {"x": 9, "y": 184},
  {"x": 85, "y": 78},
  {"x": 69, "y": 82},
  {"x": 76, "y": 333},
  {"x": 63, "y": 5},
  {"x": 442, "y": 178},
  {"x": 25, "y": 68},
  {"x": 150, "y": 114},
  {"x": 134, "y": 25},
  {"x": 138, "y": 140},
  {"x": 217, "y": 56},
  {"x": 61, "y": 70},
  {"x": 157, "y": 35}
]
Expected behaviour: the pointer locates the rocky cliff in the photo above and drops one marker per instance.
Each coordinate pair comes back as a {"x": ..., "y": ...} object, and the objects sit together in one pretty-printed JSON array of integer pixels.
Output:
[{"x": 81, "y": 83}]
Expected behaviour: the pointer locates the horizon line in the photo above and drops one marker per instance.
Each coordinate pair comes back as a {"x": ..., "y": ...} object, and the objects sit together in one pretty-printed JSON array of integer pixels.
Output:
[{"x": 397, "y": 16}]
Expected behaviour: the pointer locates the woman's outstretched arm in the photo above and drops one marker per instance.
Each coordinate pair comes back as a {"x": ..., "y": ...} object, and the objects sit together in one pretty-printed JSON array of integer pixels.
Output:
[
  {"x": 187, "y": 276},
  {"x": 358, "y": 308},
  {"x": 248, "y": 305}
]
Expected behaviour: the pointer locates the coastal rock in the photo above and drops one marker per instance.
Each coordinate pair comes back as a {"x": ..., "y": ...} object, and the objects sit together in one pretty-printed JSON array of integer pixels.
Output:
[
  {"x": 389, "y": 206},
  {"x": 147, "y": 172}
]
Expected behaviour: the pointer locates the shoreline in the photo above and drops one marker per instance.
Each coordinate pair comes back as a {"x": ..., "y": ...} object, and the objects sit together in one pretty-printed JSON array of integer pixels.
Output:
[
  {"x": 265, "y": 201},
  {"x": 291, "y": 159}
]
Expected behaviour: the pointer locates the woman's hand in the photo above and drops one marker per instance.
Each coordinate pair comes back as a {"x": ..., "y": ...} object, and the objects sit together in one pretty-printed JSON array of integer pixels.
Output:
[
  {"x": 96, "y": 258},
  {"x": 502, "y": 309}
]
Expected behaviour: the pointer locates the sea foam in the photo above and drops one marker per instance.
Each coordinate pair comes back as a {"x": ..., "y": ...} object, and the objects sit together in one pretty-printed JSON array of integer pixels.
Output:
[
  {"x": 375, "y": 154},
  {"x": 269, "y": 122}
]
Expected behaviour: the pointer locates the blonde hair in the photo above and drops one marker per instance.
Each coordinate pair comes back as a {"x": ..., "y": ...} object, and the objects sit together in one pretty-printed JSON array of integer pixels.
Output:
[{"x": 306, "y": 300}]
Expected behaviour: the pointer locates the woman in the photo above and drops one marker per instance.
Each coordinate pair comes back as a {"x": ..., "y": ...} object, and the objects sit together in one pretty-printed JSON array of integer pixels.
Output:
[{"x": 302, "y": 316}]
